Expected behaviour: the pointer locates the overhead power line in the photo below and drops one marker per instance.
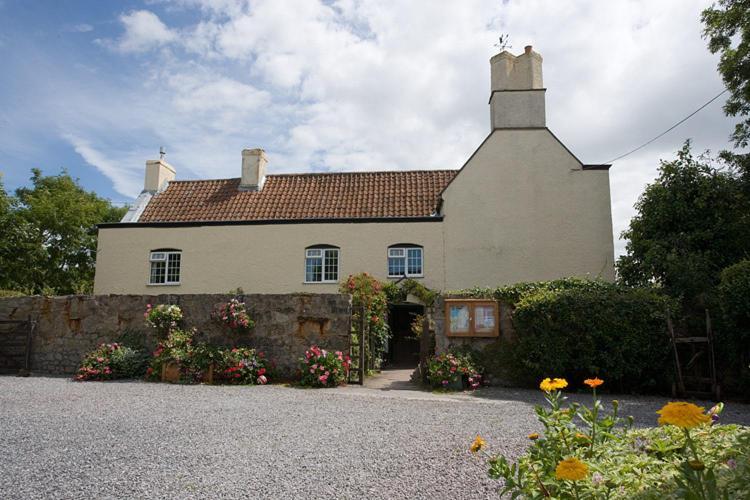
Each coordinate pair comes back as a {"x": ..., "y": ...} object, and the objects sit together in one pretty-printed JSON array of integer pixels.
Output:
[{"x": 668, "y": 130}]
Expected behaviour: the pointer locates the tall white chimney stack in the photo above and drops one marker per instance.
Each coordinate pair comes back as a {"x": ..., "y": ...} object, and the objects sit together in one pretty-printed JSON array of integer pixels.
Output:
[
  {"x": 254, "y": 163},
  {"x": 517, "y": 98}
]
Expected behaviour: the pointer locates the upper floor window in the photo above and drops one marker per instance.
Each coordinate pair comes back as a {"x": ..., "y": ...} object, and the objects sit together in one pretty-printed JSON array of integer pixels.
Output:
[
  {"x": 404, "y": 260},
  {"x": 321, "y": 264},
  {"x": 165, "y": 267}
]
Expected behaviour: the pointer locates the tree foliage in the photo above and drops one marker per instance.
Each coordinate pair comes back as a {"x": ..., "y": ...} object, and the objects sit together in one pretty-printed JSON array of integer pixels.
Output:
[
  {"x": 691, "y": 222},
  {"x": 727, "y": 29},
  {"x": 48, "y": 235}
]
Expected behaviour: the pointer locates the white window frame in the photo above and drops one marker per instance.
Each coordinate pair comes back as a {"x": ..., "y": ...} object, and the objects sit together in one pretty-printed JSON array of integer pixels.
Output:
[
  {"x": 163, "y": 256},
  {"x": 320, "y": 253},
  {"x": 393, "y": 254}
]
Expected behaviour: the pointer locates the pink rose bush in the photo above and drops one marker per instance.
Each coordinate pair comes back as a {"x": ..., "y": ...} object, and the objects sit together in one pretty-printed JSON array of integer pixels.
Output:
[
  {"x": 321, "y": 368},
  {"x": 242, "y": 365},
  {"x": 446, "y": 370},
  {"x": 111, "y": 361},
  {"x": 234, "y": 316}
]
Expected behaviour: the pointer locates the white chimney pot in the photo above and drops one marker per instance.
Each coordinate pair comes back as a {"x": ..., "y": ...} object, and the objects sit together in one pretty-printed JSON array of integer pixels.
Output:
[{"x": 254, "y": 163}]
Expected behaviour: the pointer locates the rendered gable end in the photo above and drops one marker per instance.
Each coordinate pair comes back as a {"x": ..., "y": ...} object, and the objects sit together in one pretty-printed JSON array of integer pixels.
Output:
[{"x": 523, "y": 209}]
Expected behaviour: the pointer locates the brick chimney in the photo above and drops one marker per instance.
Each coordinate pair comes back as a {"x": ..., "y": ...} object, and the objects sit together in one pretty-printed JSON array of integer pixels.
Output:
[
  {"x": 158, "y": 174},
  {"x": 254, "y": 163},
  {"x": 517, "y": 98}
]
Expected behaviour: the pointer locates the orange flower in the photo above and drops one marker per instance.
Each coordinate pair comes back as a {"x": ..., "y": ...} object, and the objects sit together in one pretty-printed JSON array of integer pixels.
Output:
[{"x": 593, "y": 382}]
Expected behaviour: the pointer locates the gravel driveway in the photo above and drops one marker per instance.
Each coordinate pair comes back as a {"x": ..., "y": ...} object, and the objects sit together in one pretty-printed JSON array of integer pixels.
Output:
[{"x": 61, "y": 439}]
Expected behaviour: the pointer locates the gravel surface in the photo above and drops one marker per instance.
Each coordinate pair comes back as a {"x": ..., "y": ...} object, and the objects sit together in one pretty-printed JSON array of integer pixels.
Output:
[{"x": 61, "y": 439}]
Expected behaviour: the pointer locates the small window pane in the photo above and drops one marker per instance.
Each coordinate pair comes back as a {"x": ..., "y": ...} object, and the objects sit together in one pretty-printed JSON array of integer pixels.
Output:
[
  {"x": 415, "y": 261},
  {"x": 173, "y": 268},
  {"x": 314, "y": 269},
  {"x": 314, "y": 252},
  {"x": 396, "y": 252},
  {"x": 396, "y": 266},
  {"x": 459, "y": 318},
  {"x": 158, "y": 272},
  {"x": 331, "y": 271}
]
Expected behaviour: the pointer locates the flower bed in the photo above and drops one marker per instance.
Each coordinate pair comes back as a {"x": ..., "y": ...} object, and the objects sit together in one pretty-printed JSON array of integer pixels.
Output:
[
  {"x": 111, "y": 361},
  {"x": 588, "y": 453},
  {"x": 454, "y": 371},
  {"x": 241, "y": 365},
  {"x": 321, "y": 368}
]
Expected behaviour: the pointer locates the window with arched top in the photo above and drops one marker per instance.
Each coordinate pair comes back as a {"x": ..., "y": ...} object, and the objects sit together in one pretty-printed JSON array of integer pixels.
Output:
[
  {"x": 321, "y": 264},
  {"x": 405, "y": 260},
  {"x": 165, "y": 266}
]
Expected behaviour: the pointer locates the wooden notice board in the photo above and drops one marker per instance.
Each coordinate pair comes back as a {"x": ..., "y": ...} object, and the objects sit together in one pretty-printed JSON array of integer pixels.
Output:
[{"x": 471, "y": 318}]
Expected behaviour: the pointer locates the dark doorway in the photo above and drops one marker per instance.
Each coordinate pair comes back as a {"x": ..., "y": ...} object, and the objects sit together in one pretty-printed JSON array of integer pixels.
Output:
[{"x": 403, "y": 347}]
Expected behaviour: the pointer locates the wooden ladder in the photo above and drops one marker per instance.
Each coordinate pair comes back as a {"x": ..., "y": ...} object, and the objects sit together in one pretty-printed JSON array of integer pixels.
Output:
[{"x": 689, "y": 382}]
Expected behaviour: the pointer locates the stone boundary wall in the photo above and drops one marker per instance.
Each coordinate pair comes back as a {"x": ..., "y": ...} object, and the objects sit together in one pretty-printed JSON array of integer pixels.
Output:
[
  {"x": 443, "y": 342},
  {"x": 285, "y": 324}
]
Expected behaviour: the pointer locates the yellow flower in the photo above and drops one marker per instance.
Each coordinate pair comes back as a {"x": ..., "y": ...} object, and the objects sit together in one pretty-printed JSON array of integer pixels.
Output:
[
  {"x": 533, "y": 436},
  {"x": 593, "y": 382},
  {"x": 553, "y": 384},
  {"x": 478, "y": 444},
  {"x": 572, "y": 469},
  {"x": 681, "y": 414}
]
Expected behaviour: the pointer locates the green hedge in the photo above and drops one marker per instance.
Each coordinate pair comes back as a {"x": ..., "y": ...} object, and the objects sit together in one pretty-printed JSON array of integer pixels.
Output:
[
  {"x": 576, "y": 329},
  {"x": 733, "y": 328}
]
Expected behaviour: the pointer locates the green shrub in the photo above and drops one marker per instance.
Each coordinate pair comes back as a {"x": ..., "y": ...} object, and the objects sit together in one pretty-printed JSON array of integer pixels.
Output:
[
  {"x": 609, "y": 329},
  {"x": 112, "y": 361},
  {"x": 513, "y": 294},
  {"x": 575, "y": 327},
  {"x": 733, "y": 334},
  {"x": 11, "y": 293}
]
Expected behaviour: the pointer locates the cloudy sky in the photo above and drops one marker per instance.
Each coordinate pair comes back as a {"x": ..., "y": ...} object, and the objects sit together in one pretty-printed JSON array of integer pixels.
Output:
[{"x": 97, "y": 87}]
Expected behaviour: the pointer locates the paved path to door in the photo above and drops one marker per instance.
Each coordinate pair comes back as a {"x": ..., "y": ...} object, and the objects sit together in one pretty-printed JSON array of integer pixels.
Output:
[{"x": 61, "y": 439}]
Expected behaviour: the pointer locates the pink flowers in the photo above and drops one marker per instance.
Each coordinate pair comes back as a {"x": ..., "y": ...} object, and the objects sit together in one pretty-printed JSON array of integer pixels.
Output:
[
  {"x": 234, "y": 315},
  {"x": 322, "y": 368}
]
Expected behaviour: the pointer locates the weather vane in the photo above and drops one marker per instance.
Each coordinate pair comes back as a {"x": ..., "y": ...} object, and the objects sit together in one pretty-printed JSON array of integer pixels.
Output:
[
  {"x": 503, "y": 42},
  {"x": 162, "y": 153}
]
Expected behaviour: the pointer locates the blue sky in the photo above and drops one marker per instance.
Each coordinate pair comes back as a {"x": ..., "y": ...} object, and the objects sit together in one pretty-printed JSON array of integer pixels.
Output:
[{"x": 97, "y": 87}]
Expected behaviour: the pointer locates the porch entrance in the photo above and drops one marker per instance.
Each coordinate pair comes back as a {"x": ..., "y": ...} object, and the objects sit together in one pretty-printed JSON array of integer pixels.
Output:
[{"x": 403, "y": 346}]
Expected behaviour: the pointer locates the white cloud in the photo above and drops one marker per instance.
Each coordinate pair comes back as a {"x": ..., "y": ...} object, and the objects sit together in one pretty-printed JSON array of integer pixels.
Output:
[
  {"x": 123, "y": 180},
  {"x": 372, "y": 85},
  {"x": 143, "y": 31}
]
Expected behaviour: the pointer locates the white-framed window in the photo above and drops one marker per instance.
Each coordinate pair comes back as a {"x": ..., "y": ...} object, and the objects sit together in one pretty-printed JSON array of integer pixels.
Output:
[
  {"x": 405, "y": 261},
  {"x": 321, "y": 264},
  {"x": 165, "y": 267}
]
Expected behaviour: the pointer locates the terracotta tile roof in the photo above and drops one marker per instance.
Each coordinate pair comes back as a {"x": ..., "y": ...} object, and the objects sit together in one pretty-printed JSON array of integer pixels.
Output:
[{"x": 302, "y": 196}]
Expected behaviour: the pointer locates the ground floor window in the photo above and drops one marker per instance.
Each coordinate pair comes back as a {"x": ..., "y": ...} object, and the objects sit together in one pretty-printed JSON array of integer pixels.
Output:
[
  {"x": 321, "y": 264},
  {"x": 404, "y": 260},
  {"x": 165, "y": 267}
]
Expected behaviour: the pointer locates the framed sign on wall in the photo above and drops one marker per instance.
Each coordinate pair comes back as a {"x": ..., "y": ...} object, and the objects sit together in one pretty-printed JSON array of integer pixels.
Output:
[{"x": 471, "y": 318}]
